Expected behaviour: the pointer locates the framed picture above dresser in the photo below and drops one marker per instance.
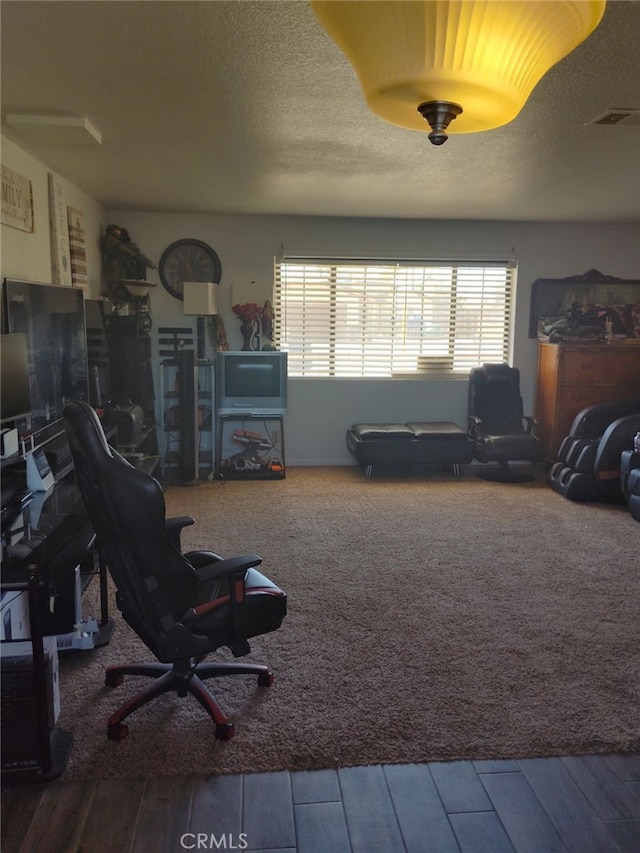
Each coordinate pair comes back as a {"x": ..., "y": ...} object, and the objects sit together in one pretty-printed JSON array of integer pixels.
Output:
[{"x": 585, "y": 308}]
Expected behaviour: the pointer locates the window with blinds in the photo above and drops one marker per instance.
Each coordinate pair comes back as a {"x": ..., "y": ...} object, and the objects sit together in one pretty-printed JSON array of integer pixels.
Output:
[{"x": 375, "y": 318}]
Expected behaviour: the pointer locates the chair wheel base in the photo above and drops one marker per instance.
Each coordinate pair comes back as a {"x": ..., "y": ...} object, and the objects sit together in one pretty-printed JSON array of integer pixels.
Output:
[
  {"x": 225, "y": 731},
  {"x": 265, "y": 679},
  {"x": 117, "y": 731},
  {"x": 183, "y": 681}
]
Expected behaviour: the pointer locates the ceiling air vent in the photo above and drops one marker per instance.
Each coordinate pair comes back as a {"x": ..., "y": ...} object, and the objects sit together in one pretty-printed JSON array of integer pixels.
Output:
[{"x": 623, "y": 117}]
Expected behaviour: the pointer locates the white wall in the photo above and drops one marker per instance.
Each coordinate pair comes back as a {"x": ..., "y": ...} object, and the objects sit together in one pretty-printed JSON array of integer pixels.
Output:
[
  {"x": 321, "y": 410},
  {"x": 27, "y": 256}
]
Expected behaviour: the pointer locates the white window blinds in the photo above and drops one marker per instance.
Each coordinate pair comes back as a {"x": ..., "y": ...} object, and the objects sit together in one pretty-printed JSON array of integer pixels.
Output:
[{"x": 379, "y": 318}]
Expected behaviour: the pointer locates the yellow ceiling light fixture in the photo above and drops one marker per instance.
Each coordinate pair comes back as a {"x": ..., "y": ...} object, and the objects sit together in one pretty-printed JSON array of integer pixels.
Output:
[{"x": 440, "y": 60}]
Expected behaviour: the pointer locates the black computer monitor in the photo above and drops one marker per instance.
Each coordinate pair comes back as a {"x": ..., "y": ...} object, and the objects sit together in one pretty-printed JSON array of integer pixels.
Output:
[{"x": 51, "y": 317}]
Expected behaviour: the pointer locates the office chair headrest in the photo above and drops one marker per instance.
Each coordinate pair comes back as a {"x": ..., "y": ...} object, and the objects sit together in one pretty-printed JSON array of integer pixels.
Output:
[
  {"x": 83, "y": 421},
  {"x": 498, "y": 373}
]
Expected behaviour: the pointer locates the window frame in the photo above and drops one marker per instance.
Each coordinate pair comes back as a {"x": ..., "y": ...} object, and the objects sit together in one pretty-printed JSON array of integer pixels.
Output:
[{"x": 420, "y": 286}]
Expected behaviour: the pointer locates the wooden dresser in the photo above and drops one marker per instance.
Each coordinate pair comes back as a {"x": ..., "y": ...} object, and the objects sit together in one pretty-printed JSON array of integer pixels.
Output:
[{"x": 573, "y": 376}]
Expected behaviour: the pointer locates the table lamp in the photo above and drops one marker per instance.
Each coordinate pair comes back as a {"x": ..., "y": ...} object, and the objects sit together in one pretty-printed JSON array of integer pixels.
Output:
[{"x": 200, "y": 298}]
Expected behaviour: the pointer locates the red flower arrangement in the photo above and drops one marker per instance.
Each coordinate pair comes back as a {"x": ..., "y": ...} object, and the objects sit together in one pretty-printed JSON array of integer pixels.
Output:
[{"x": 248, "y": 311}]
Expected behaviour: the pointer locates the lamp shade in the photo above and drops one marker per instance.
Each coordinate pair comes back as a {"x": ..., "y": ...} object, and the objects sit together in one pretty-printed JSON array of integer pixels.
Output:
[
  {"x": 200, "y": 297},
  {"x": 483, "y": 58}
]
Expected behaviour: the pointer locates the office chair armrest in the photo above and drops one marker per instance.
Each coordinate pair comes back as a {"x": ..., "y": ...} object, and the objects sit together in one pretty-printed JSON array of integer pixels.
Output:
[
  {"x": 174, "y": 528},
  {"x": 234, "y": 569},
  {"x": 179, "y": 521},
  {"x": 223, "y": 568}
]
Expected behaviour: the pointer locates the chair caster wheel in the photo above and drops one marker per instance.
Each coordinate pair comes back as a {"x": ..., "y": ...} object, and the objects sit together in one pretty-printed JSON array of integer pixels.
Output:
[
  {"x": 117, "y": 731},
  {"x": 225, "y": 731},
  {"x": 113, "y": 679},
  {"x": 265, "y": 679}
]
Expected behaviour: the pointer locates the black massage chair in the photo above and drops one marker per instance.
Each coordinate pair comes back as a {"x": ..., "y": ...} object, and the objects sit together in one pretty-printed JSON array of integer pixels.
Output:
[{"x": 588, "y": 462}]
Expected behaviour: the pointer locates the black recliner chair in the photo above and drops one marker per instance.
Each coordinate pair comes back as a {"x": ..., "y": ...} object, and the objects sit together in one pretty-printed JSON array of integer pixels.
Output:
[
  {"x": 182, "y": 606},
  {"x": 497, "y": 425},
  {"x": 587, "y": 466}
]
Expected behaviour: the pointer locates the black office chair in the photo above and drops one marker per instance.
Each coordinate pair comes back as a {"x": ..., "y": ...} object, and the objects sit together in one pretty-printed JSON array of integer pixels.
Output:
[
  {"x": 497, "y": 426},
  {"x": 182, "y": 606}
]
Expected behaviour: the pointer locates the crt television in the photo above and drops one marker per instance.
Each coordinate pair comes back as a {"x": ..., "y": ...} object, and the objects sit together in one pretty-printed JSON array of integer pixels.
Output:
[
  {"x": 251, "y": 382},
  {"x": 52, "y": 319}
]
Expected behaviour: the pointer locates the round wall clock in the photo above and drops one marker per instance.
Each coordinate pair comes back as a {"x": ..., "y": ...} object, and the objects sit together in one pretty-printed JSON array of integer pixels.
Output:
[{"x": 188, "y": 260}]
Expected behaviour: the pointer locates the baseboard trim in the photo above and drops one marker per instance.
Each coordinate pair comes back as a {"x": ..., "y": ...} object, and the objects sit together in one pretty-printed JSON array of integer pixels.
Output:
[{"x": 320, "y": 463}]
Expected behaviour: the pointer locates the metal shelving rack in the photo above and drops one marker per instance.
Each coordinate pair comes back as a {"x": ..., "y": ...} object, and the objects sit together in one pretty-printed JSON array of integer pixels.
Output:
[{"x": 172, "y": 438}]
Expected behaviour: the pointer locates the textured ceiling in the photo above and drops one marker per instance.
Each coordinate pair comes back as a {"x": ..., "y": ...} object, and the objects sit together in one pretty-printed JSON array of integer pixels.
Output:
[{"x": 249, "y": 107}]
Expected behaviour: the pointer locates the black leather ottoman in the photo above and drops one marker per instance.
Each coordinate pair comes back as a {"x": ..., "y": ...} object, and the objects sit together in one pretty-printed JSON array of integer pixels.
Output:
[{"x": 415, "y": 443}]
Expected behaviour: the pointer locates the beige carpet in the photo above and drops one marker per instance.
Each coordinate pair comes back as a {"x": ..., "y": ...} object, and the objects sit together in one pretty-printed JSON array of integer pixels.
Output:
[{"x": 429, "y": 619}]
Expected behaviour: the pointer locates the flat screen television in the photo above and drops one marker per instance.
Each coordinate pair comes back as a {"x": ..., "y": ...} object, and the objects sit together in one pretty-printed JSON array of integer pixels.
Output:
[
  {"x": 15, "y": 400},
  {"x": 51, "y": 317},
  {"x": 251, "y": 382}
]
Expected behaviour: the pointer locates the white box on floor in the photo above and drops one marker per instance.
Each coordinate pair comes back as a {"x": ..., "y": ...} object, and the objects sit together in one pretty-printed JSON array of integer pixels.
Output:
[{"x": 14, "y": 607}]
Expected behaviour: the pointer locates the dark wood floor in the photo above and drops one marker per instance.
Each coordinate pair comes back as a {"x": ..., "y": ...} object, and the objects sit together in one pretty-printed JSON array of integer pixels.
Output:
[{"x": 585, "y": 804}]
